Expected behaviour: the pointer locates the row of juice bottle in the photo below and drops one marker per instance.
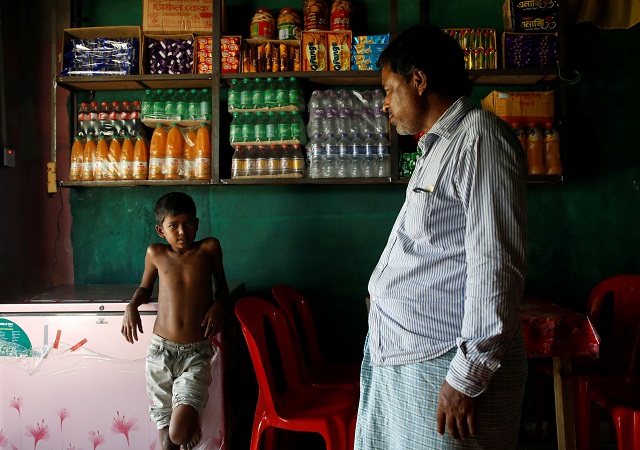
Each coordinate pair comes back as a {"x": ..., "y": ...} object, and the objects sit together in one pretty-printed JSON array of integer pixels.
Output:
[
  {"x": 261, "y": 160},
  {"x": 178, "y": 154},
  {"x": 542, "y": 147}
]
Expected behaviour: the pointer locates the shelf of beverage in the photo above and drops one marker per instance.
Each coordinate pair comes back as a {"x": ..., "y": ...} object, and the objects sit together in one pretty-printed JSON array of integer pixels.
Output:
[
  {"x": 135, "y": 82},
  {"x": 129, "y": 183},
  {"x": 348, "y": 78},
  {"x": 301, "y": 180}
]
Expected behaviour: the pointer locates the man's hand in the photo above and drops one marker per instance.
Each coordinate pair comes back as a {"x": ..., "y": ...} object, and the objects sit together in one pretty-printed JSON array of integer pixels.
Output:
[
  {"x": 131, "y": 323},
  {"x": 457, "y": 411},
  {"x": 213, "y": 319}
]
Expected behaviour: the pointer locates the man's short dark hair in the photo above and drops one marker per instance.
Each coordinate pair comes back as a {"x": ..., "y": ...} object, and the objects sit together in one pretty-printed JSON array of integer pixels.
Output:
[
  {"x": 173, "y": 204},
  {"x": 438, "y": 55}
]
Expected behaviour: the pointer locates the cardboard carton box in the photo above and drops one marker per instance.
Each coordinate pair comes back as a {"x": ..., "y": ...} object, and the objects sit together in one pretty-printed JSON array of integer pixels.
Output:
[
  {"x": 177, "y": 16},
  {"x": 521, "y": 107},
  {"x": 170, "y": 60},
  {"x": 526, "y": 16}
]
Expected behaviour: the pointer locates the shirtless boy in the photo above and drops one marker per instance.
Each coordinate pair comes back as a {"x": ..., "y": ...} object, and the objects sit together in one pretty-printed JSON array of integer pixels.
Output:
[{"x": 189, "y": 315}]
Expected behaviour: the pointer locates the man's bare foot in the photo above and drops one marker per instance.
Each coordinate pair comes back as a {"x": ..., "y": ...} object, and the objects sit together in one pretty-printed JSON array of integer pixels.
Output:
[{"x": 194, "y": 441}]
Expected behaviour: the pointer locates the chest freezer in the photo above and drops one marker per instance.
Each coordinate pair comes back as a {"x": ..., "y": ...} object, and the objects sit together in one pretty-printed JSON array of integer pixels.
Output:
[{"x": 70, "y": 380}]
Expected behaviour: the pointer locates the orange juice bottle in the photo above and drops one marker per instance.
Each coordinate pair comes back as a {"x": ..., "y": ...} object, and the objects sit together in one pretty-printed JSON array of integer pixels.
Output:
[
  {"x": 102, "y": 155},
  {"x": 552, "y": 150},
  {"x": 113, "y": 162},
  {"x": 77, "y": 155},
  {"x": 140, "y": 160},
  {"x": 175, "y": 148},
  {"x": 126, "y": 159},
  {"x": 88, "y": 159},
  {"x": 189, "y": 153},
  {"x": 521, "y": 134},
  {"x": 535, "y": 150},
  {"x": 202, "y": 160},
  {"x": 157, "y": 153}
]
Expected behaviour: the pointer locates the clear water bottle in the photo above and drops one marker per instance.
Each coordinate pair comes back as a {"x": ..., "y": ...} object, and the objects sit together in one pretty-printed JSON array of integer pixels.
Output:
[
  {"x": 260, "y": 127},
  {"x": 282, "y": 92},
  {"x": 257, "y": 97},
  {"x": 344, "y": 121},
  {"x": 262, "y": 160},
  {"x": 246, "y": 94},
  {"x": 377, "y": 99},
  {"x": 315, "y": 151},
  {"x": 316, "y": 119},
  {"x": 235, "y": 129},
  {"x": 330, "y": 123},
  {"x": 331, "y": 99},
  {"x": 271, "y": 126},
  {"x": 357, "y": 156},
  {"x": 367, "y": 122},
  {"x": 330, "y": 157},
  {"x": 182, "y": 105},
  {"x": 286, "y": 159},
  {"x": 356, "y": 121},
  {"x": 316, "y": 102},
  {"x": 370, "y": 161},
  {"x": 233, "y": 98},
  {"x": 345, "y": 168},
  {"x": 384, "y": 158},
  {"x": 270, "y": 93},
  {"x": 238, "y": 162},
  {"x": 379, "y": 121},
  {"x": 344, "y": 99},
  {"x": 248, "y": 128}
]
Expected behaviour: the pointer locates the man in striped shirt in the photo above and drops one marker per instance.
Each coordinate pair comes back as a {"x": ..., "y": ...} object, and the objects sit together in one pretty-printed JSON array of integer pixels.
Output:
[{"x": 444, "y": 362}]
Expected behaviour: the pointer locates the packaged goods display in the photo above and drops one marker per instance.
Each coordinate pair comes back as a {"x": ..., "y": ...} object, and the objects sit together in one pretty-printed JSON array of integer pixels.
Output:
[
  {"x": 289, "y": 24},
  {"x": 525, "y": 16},
  {"x": 183, "y": 106},
  {"x": 204, "y": 56},
  {"x": 101, "y": 56},
  {"x": 521, "y": 107},
  {"x": 230, "y": 61},
  {"x": 261, "y": 55},
  {"x": 109, "y": 118},
  {"x": 169, "y": 55},
  {"x": 479, "y": 45},
  {"x": 177, "y": 16},
  {"x": 349, "y": 135},
  {"x": 263, "y": 24},
  {"x": 530, "y": 50},
  {"x": 366, "y": 49},
  {"x": 314, "y": 51},
  {"x": 316, "y": 15}
]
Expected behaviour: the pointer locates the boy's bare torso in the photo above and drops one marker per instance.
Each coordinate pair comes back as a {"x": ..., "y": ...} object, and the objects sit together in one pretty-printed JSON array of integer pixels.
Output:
[{"x": 185, "y": 290}]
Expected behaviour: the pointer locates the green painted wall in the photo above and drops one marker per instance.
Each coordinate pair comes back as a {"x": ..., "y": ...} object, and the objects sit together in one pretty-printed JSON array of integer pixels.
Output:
[{"x": 326, "y": 239}]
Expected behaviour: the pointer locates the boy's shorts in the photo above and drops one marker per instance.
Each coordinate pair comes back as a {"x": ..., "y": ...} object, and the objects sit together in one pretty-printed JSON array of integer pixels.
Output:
[{"x": 177, "y": 374}]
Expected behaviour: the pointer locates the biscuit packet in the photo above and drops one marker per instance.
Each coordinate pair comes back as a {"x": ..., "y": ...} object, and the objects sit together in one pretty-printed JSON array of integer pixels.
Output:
[
  {"x": 339, "y": 51},
  {"x": 314, "y": 51}
]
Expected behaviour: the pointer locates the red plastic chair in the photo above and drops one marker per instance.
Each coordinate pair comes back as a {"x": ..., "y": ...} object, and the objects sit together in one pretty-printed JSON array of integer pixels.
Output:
[
  {"x": 622, "y": 403},
  {"x": 619, "y": 331},
  {"x": 295, "y": 406},
  {"x": 320, "y": 372}
]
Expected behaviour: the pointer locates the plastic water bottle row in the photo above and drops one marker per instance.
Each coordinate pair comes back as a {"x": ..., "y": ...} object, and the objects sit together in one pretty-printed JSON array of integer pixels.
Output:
[
  {"x": 267, "y": 127},
  {"x": 349, "y": 158},
  {"x": 267, "y": 93},
  {"x": 344, "y": 120},
  {"x": 344, "y": 98}
]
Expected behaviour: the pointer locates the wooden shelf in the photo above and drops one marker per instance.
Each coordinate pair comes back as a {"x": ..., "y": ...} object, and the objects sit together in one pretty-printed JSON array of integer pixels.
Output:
[
  {"x": 513, "y": 76},
  {"x": 125, "y": 183},
  {"x": 349, "y": 78},
  {"x": 281, "y": 181},
  {"x": 135, "y": 82}
]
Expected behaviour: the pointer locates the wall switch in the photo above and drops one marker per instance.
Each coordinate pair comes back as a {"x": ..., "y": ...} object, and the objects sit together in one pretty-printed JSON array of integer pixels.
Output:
[{"x": 8, "y": 157}]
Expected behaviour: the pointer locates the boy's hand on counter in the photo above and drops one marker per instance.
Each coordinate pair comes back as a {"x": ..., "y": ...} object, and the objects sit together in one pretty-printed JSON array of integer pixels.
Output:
[
  {"x": 131, "y": 323},
  {"x": 212, "y": 322}
]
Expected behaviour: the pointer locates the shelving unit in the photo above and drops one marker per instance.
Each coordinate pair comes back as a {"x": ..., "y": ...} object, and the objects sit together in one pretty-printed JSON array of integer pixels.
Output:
[{"x": 309, "y": 80}]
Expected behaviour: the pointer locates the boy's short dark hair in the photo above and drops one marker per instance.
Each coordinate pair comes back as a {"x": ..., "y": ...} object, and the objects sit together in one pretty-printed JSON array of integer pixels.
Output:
[
  {"x": 438, "y": 55},
  {"x": 173, "y": 204}
]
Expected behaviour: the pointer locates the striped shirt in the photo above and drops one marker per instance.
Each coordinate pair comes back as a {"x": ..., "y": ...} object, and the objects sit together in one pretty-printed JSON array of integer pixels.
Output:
[{"x": 452, "y": 272}]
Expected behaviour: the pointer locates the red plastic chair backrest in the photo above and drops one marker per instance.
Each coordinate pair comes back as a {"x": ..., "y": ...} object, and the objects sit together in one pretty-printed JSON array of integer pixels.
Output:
[
  {"x": 299, "y": 314},
  {"x": 255, "y": 315},
  {"x": 624, "y": 330}
]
